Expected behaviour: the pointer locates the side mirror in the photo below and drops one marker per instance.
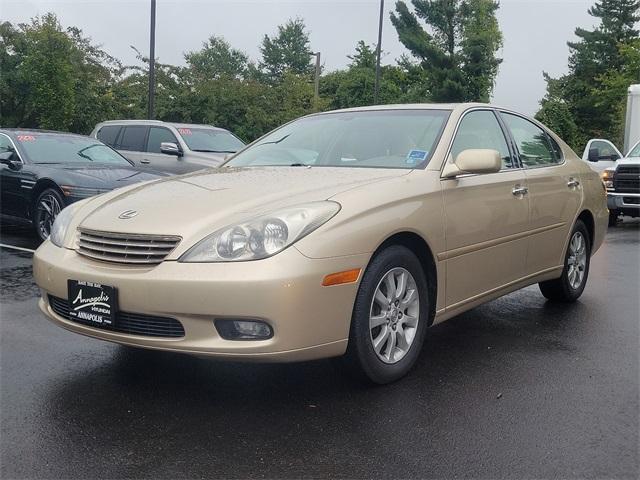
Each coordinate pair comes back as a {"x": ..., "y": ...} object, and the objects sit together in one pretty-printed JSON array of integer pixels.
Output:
[
  {"x": 594, "y": 155},
  {"x": 170, "y": 148},
  {"x": 474, "y": 161},
  {"x": 8, "y": 158}
]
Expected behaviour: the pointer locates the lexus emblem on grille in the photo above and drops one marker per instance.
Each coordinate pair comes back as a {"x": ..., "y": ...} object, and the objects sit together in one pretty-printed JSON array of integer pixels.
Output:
[{"x": 128, "y": 214}]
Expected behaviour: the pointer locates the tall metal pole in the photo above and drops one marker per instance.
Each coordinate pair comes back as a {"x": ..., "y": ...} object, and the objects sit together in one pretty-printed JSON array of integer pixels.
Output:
[
  {"x": 316, "y": 92},
  {"x": 378, "y": 50},
  {"x": 152, "y": 61}
]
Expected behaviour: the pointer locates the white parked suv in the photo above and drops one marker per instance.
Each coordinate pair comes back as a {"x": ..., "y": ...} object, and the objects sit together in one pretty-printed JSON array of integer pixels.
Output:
[{"x": 168, "y": 147}]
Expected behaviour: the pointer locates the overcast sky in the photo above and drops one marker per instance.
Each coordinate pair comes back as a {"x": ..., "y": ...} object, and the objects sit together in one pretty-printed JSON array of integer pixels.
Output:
[{"x": 535, "y": 31}]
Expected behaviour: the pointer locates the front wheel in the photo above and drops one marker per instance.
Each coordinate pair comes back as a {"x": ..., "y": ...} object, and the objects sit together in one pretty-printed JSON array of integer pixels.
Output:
[
  {"x": 390, "y": 317},
  {"x": 571, "y": 283},
  {"x": 613, "y": 218},
  {"x": 45, "y": 210}
]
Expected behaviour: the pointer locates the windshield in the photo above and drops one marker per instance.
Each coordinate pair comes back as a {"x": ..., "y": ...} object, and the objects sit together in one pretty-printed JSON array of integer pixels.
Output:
[
  {"x": 635, "y": 151},
  {"x": 383, "y": 138},
  {"x": 55, "y": 148},
  {"x": 210, "y": 140}
]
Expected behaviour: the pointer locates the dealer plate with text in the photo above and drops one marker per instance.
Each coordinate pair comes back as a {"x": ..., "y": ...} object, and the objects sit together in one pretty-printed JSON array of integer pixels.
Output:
[{"x": 92, "y": 302}]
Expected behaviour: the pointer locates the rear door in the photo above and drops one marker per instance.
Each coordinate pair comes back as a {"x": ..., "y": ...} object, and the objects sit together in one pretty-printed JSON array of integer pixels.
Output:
[
  {"x": 131, "y": 143},
  {"x": 555, "y": 192},
  {"x": 486, "y": 216},
  {"x": 157, "y": 160}
]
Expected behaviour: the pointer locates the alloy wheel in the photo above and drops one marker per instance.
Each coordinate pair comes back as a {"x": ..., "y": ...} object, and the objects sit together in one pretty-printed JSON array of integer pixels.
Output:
[
  {"x": 394, "y": 315},
  {"x": 576, "y": 260},
  {"x": 48, "y": 209}
]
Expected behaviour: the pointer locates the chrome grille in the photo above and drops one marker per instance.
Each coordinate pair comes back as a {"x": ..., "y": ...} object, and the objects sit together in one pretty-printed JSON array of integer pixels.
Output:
[{"x": 125, "y": 247}]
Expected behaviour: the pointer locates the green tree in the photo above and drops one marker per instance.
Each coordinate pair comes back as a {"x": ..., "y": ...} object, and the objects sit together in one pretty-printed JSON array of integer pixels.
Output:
[
  {"x": 602, "y": 64},
  {"x": 217, "y": 58},
  {"x": 457, "y": 49},
  {"x": 288, "y": 51},
  {"x": 53, "y": 78},
  {"x": 354, "y": 86}
]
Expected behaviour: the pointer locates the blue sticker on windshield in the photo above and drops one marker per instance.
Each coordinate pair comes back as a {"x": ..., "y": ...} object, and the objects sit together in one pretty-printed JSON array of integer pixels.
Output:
[{"x": 416, "y": 156}]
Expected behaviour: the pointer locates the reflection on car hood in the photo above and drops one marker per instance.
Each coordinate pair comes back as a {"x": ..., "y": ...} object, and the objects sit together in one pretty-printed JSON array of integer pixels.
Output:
[
  {"x": 198, "y": 203},
  {"x": 106, "y": 176}
]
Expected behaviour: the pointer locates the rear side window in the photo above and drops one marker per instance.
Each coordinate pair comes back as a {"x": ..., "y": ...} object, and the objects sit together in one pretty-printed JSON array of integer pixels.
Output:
[
  {"x": 480, "y": 129},
  {"x": 109, "y": 134},
  {"x": 534, "y": 145},
  {"x": 157, "y": 135},
  {"x": 133, "y": 138}
]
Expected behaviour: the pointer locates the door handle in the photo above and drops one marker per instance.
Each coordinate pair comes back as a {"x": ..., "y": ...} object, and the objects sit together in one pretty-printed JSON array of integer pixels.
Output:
[
  {"x": 519, "y": 191},
  {"x": 145, "y": 161},
  {"x": 573, "y": 183}
]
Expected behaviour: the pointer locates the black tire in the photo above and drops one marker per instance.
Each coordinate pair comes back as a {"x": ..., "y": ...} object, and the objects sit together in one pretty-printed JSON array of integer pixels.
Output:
[
  {"x": 43, "y": 220},
  {"x": 361, "y": 358},
  {"x": 613, "y": 218},
  {"x": 561, "y": 289}
]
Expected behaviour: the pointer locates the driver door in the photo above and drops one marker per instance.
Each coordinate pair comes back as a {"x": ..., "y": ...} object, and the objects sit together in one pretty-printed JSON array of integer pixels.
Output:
[
  {"x": 486, "y": 216},
  {"x": 11, "y": 185}
]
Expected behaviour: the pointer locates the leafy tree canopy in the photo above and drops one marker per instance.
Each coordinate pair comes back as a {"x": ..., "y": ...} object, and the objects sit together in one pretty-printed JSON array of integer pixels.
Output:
[
  {"x": 287, "y": 51},
  {"x": 455, "y": 44}
]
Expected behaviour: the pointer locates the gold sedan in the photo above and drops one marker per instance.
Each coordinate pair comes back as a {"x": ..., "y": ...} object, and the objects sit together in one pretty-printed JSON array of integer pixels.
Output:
[{"x": 344, "y": 233}]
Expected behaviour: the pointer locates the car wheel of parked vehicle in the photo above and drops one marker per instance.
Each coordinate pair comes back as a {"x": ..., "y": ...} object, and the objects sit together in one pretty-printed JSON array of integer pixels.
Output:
[
  {"x": 613, "y": 218},
  {"x": 571, "y": 283},
  {"x": 45, "y": 210},
  {"x": 390, "y": 317}
]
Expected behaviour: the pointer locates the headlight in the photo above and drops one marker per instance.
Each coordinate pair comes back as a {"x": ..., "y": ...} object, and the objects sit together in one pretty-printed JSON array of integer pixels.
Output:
[
  {"x": 261, "y": 237},
  {"x": 607, "y": 178},
  {"x": 60, "y": 225}
]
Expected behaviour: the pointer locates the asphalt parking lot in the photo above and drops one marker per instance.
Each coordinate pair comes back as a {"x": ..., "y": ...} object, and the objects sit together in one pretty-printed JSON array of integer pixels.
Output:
[{"x": 517, "y": 388}]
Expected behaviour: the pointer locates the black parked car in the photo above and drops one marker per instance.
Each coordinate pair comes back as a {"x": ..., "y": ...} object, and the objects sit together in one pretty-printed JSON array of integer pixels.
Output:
[{"x": 44, "y": 171}]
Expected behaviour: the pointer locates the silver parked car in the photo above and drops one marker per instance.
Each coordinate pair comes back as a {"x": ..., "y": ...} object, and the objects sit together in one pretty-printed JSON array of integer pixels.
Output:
[{"x": 168, "y": 147}]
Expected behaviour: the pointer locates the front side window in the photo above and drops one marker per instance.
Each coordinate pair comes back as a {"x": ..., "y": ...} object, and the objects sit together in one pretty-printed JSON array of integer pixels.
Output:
[
  {"x": 109, "y": 134},
  {"x": 369, "y": 139},
  {"x": 158, "y": 135},
  {"x": 50, "y": 148},
  {"x": 480, "y": 129},
  {"x": 133, "y": 138},
  {"x": 210, "y": 140},
  {"x": 533, "y": 143}
]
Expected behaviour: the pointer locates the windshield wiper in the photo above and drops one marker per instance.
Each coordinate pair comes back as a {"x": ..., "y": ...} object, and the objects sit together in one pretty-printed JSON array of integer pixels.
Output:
[
  {"x": 299, "y": 165},
  {"x": 274, "y": 142},
  {"x": 212, "y": 151}
]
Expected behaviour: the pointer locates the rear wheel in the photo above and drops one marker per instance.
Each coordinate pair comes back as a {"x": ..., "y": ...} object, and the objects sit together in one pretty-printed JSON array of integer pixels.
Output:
[
  {"x": 47, "y": 207},
  {"x": 389, "y": 317},
  {"x": 571, "y": 283}
]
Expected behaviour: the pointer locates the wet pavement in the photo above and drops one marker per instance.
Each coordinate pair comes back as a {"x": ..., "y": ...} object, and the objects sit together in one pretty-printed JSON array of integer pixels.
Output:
[{"x": 517, "y": 388}]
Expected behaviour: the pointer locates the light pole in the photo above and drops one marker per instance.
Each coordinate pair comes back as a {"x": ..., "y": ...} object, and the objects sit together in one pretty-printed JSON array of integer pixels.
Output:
[
  {"x": 152, "y": 60},
  {"x": 316, "y": 80},
  {"x": 378, "y": 50}
]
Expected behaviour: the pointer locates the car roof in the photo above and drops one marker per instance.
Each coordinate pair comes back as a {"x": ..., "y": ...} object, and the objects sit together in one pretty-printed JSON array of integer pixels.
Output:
[
  {"x": 159, "y": 122},
  {"x": 415, "y": 106},
  {"x": 39, "y": 131}
]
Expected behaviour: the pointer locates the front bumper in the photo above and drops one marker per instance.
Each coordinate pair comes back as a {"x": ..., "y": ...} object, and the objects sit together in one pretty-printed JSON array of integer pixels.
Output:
[
  {"x": 309, "y": 321},
  {"x": 625, "y": 203}
]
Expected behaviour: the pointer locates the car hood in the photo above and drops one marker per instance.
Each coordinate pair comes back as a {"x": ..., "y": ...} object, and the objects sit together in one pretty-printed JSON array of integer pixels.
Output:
[
  {"x": 105, "y": 176},
  {"x": 197, "y": 204},
  {"x": 628, "y": 161}
]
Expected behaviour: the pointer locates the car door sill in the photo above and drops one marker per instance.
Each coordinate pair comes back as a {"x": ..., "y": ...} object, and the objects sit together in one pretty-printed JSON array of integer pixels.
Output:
[{"x": 457, "y": 308}]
